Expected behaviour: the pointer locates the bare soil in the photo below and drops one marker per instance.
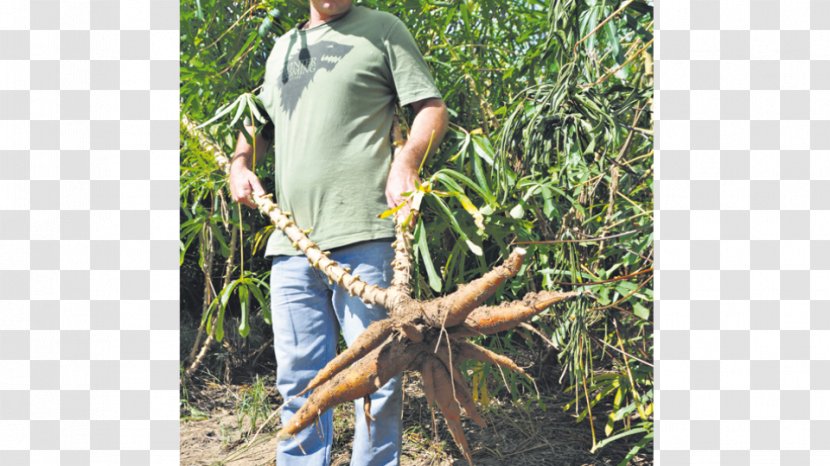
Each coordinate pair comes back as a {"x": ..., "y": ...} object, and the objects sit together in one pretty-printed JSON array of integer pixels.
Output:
[{"x": 518, "y": 433}]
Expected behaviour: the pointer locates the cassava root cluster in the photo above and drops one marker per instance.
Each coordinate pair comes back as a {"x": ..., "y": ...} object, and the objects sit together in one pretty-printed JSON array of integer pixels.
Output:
[{"x": 429, "y": 337}]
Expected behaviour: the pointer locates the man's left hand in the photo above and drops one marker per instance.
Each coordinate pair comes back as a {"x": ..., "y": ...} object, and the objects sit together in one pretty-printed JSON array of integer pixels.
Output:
[
  {"x": 428, "y": 128},
  {"x": 401, "y": 180}
]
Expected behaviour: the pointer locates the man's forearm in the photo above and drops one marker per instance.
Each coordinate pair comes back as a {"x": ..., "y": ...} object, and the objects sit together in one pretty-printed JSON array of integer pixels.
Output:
[
  {"x": 430, "y": 122},
  {"x": 244, "y": 150}
]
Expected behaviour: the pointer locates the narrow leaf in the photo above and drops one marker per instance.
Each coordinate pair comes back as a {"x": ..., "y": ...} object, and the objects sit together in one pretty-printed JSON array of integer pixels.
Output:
[{"x": 423, "y": 249}]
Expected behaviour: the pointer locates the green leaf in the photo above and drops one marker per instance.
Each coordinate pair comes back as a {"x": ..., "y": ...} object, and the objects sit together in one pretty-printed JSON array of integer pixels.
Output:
[
  {"x": 481, "y": 179},
  {"x": 518, "y": 211},
  {"x": 244, "y": 303},
  {"x": 240, "y": 110},
  {"x": 264, "y": 27},
  {"x": 224, "y": 297},
  {"x": 636, "y": 449},
  {"x": 199, "y": 15},
  {"x": 253, "y": 104},
  {"x": 225, "y": 294},
  {"x": 219, "y": 114},
  {"x": 253, "y": 36},
  {"x": 444, "y": 209},
  {"x": 623, "y": 434},
  {"x": 449, "y": 177},
  {"x": 474, "y": 248},
  {"x": 483, "y": 148},
  {"x": 219, "y": 331},
  {"x": 422, "y": 249},
  {"x": 641, "y": 311},
  {"x": 263, "y": 303}
]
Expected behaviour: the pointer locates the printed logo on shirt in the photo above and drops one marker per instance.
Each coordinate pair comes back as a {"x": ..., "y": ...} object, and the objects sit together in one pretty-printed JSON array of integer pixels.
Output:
[{"x": 300, "y": 69}]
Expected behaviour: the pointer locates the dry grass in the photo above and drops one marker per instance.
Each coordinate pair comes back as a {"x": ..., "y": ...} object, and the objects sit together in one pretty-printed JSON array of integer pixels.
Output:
[{"x": 521, "y": 433}]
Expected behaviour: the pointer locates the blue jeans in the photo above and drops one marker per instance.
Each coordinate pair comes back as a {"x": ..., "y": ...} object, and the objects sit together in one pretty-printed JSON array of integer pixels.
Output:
[{"x": 308, "y": 314}]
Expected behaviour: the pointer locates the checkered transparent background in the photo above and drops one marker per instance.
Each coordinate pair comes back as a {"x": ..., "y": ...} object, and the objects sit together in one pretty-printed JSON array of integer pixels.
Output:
[
  {"x": 89, "y": 232},
  {"x": 89, "y": 212},
  {"x": 743, "y": 232}
]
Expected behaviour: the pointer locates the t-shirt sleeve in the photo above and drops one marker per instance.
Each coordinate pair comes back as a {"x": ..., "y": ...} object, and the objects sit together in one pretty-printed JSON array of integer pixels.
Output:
[
  {"x": 266, "y": 93},
  {"x": 412, "y": 78},
  {"x": 266, "y": 96}
]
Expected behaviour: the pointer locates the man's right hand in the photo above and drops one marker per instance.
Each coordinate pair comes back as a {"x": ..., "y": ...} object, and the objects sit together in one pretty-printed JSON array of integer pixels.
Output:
[{"x": 243, "y": 182}]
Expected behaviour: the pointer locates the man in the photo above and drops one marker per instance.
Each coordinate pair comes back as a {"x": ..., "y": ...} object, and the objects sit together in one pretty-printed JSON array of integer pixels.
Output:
[{"x": 330, "y": 89}]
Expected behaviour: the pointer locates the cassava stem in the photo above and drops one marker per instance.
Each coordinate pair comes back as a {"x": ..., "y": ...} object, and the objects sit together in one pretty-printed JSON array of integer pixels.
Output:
[
  {"x": 402, "y": 263},
  {"x": 370, "y": 294}
]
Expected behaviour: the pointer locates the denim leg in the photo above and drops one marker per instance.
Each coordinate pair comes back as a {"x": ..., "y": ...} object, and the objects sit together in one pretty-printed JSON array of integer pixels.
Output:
[
  {"x": 305, "y": 339},
  {"x": 381, "y": 446}
]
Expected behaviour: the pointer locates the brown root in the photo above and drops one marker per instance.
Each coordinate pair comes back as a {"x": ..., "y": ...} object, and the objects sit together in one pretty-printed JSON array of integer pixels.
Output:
[
  {"x": 367, "y": 412},
  {"x": 468, "y": 297},
  {"x": 461, "y": 392},
  {"x": 467, "y": 351},
  {"x": 450, "y": 409},
  {"x": 487, "y": 320},
  {"x": 362, "y": 378},
  {"x": 427, "y": 366},
  {"x": 371, "y": 338},
  {"x": 412, "y": 332}
]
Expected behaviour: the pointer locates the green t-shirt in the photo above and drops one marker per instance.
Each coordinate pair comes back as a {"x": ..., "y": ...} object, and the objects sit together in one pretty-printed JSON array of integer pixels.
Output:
[{"x": 330, "y": 92}]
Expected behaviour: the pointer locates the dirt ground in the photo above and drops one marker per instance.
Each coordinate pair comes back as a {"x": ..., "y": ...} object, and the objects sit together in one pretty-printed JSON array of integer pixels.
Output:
[{"x": 517, "y": 433}]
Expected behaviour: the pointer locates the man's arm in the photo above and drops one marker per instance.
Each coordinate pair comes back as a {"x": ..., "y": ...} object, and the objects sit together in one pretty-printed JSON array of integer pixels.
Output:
[
  {"x": 430, "y": 122},
  {"x": 243, "y": 181}
]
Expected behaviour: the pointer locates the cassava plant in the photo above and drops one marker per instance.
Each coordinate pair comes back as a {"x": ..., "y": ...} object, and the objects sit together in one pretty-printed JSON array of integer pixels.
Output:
[{"x": 426, "y": 336}]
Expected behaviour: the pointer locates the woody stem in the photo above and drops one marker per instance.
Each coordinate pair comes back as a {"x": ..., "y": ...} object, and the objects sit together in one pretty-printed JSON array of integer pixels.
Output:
[
  {"x": 370, "y": 294},
  {"x": 402, "y": 263}
]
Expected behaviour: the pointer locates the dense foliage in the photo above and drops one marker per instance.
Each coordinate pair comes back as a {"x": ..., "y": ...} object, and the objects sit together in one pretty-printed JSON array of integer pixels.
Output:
[{"x": 550, "y": 147}]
